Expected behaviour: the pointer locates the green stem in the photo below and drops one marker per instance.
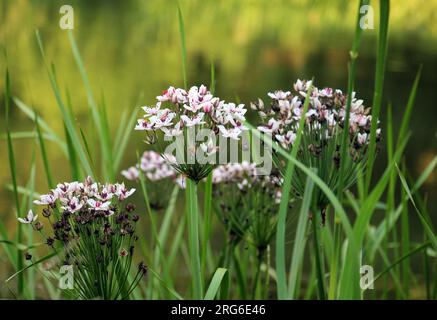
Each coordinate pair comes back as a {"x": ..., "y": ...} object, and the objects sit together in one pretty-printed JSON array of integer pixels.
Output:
[
  {"x": 241, "y": 279},
  {"x": 319, "y": 254},
  {"x": 267, "y": 276},
  {"x": 193, "y": 235},
  {"x": 229, "y": 252},
  {"x": 260, "y": 257},
  {"x": 207, "y": 221},
  {"x": 335, "y": 259}
]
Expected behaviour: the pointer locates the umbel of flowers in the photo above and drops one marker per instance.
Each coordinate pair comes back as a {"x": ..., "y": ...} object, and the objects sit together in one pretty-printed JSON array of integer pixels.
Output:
[
  {"x": 92, "y": 229},
  {"x": 320, "y": 145},
  {"x": 157, "y": 170},
  {"x": 247, "y": 205},
  {"x": 179, "y": 113}
]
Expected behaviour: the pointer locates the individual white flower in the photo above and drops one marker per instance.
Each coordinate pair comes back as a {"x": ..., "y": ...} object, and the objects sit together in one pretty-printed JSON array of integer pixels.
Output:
[
  {"x": 359, "y": 119},
  {"x": 99, "y": 205},
  {"x": 173, "y": 132},
  {"x": 72, "y": 205},
  {"x": 209, "y": 148},
  {"x": 287, "y": 139},
  {"x": 233, "y": 113},
  {"x": 74, "y": 186},
  {"x": 91, "y": 189},
  {"x": 196, "y": 120},
  {"x": 232, "y": 133},
  {"x": 30, "y": 218},
  {"x": 131, "y": 173},
  {"x": 46, "y": 199},
  {"x": 143, "y": 124},
  {"x": 302, "y": 86},
  {"x": 362, "y": 138},
  {"x": 104, "y": 195},
  {"x": 284, "y": 106},
  {"x": 310, "y": 113},
  {"x": 279, "y": 95},
  {"x": 123, "y": 193},
  {"x": 173, "y": 95},
  {"x": 152, "y": 110},
  {"x": 326, "y": 92},
  {"x": 297, "y": 113},
  {"x": 357, "y": 106},
  {"x": 61, "y": 189},
  {"x": 163, "y": 118},
  {"x": 208, "y": 106},
  {"x": 271, "y": 127}
]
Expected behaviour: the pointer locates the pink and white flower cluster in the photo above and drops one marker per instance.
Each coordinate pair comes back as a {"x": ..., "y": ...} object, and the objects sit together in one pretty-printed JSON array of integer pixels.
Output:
[
  {"x": 153, "y": 165},
  {"x": 325, "y": 114},
  {"x": 155, "y": 168},
  {"x": 88, "y": 195},
  {"x": 246, "y": 177},
  {"x": 196, "y": 107},
  {"x": 240, "y": 173}
]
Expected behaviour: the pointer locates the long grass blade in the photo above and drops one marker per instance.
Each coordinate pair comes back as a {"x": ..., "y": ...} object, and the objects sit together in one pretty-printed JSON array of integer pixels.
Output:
[
  {"x": 99, "y": 118},
  {"x": 216, "y": 281},
  {"x": 183, "y": 46},
  {"x": 69, "y": 123},
  {"x": 299, "y": 240},
  {"x": 44, "y": 154},
  {"x": 12, "y": 167},
  {"x": 283, "y": 209},
  {"x": 384, "y": 6}
]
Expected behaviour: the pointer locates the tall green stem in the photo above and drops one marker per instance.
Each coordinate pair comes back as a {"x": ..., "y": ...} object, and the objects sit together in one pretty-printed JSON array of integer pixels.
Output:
[
  {"x": 260, "y": 258},
  {"x": 193, "y": 238},
  {"x": 319, "y": 254},
  {"x": 257, "y": 272},
  {"x": 206, "y": 221},
  {"x": 334, "y": 263}
]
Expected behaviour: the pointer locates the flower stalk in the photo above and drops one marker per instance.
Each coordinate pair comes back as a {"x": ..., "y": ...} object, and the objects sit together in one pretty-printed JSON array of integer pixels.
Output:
[{"x": 193, "y": 238}]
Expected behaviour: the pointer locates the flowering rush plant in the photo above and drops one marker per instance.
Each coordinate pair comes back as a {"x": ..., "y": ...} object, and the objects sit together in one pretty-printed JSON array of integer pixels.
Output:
[
  {"x": 247, "y": 202},
  {"x": 320, "y": 145},
  {"x": 93, "y": 231},
  {"x": 183, "y": 116},
  {"x": 247, "y": 205}
]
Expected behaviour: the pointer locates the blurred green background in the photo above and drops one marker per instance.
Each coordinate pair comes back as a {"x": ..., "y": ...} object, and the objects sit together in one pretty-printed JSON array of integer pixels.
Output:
[{"x": 132, "y": 48}]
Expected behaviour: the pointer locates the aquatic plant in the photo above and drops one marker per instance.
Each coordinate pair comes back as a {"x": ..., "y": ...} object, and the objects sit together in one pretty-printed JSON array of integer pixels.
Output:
[
  {"x": 247, "y": 205},
  {"x": 323, "y": 123},
  {"x": 91, "y": 230}
]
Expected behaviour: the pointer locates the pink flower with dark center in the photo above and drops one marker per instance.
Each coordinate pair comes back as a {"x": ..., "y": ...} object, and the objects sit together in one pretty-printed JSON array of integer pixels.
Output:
[
  {"x": 46, "y": 199},
  {"x": 99, "y": 205},
  {"x": 72, "y": 205},
  {"x": 123, "y": 193}
]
